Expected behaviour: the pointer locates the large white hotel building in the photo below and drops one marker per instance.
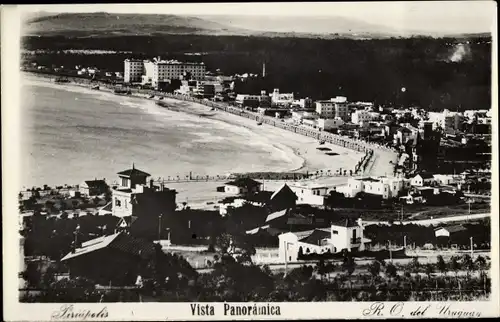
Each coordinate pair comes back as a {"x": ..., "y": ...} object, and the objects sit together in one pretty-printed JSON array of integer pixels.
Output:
[{"x": 155, "y": 71}]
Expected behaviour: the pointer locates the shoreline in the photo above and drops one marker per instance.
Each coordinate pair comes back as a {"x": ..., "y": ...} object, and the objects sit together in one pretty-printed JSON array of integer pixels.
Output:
[
  {"x": 300, "y": 148},
  {"x": 278, "y": 138}
]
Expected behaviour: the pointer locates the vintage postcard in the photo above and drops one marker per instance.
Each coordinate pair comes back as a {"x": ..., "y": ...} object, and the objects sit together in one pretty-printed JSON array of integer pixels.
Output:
[{"x": 258, "y": 161}]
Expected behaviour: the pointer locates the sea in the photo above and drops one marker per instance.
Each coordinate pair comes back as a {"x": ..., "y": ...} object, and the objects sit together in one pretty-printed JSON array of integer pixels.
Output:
[{"x": 70, "y": 134}]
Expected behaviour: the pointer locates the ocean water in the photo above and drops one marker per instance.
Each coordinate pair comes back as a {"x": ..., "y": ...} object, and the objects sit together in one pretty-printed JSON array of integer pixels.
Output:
[{"x": 71, "y": 134}]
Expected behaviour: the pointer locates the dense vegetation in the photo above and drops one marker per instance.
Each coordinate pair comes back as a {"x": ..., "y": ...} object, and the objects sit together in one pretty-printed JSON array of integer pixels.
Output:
[
  {"x": 240, "y": 281},
  {"x": 437, "y": 73}
]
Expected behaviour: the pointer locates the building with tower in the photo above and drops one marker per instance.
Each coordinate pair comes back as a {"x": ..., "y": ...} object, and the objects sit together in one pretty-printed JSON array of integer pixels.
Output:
[{"x": 136, "y": 197}]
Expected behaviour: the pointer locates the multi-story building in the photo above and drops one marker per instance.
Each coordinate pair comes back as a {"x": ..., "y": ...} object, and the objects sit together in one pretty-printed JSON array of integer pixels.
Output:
[
  {"x": 157, "y": 71},
  {"x": 253, "y": 101},
  {"x": 134, "y": 197},
  {"x": 278, "y": 98},
  {"x": 325, "y": 109},
  {"x": 361, "y": 116},
  {"x": 133, "y": 70},
  {"x": 446, "y": 120},
  {"x": 341, "y": 108},
  {"x": 304, "y": 103},
  {"x": 335, "y": 107}
]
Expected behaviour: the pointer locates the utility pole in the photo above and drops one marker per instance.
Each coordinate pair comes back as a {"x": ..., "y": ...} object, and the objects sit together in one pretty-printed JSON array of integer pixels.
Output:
[
  {"x": 471, "y": 247},
  {"x": 390, "y": 251},
  {"x": 159, "y": 227},
  {"x": 404, "y": 242},
  {"x": 286, "y": 255}
]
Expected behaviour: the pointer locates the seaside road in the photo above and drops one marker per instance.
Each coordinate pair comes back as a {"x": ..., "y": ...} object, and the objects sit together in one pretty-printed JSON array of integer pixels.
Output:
[{"x": 435, "y": 221}]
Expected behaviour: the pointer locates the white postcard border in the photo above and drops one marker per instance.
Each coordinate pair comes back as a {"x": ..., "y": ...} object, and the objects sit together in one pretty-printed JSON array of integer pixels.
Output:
[{"x": 15, "y": 311}]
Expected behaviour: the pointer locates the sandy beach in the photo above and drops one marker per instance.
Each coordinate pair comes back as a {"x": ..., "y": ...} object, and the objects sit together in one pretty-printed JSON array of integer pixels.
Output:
[{"x": 237, "y": 139}]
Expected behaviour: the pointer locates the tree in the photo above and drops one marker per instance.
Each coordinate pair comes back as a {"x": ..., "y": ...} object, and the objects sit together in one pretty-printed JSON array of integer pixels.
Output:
[
  {"x": 480, "y": 262},
  {"x": 414, "y": 265},
  {"x": 429, "y": 269},
  {"x": 454, "y": 264},
  {"x": 441, "y": 265},
  {"x": 374, "y": 269},
  {"x": 467, "y": 263},
  {"x": 321, "y": 268},
  {"x": 390, "y": 270}
]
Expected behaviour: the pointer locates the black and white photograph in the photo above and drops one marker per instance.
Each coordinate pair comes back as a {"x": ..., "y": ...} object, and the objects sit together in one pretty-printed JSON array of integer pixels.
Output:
[{"x": 253, "y": 154}]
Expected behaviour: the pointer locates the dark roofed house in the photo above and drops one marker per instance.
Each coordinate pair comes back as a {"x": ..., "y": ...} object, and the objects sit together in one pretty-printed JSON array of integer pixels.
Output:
[
  {"x": 348, "y": 222},
  {"x": 132, "y": 177},
  {"x": 94, "y": 187},
  {"x": 116, "y": 259},
  {"x": 283, "y": 198},
  {"x": 242, "y": 186}
]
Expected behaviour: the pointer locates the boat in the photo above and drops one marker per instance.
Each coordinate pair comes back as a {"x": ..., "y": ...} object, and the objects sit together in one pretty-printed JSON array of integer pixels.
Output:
[
  {"x": 161, "y": 98},
  {"x": 321, "y": 142},
  {"x": 151, "y": 96},
  {"x": 213, "y": 109},
  {"x": 259, "y": 123},
  {"x": 96, "y": 87}
]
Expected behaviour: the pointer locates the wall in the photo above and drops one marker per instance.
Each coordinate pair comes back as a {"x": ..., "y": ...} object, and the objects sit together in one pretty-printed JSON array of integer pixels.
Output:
[{"x": 125, "y": 208}]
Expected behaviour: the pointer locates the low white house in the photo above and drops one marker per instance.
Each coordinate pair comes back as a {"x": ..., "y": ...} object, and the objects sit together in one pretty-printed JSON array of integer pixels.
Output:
[
  {"x": 242, "y": 186},
  {"x": 386, "y": 187},
  {"x": 309, "y": 194},
  {"x": 447, "y": 231},
  {"x": 446, "y": 179},
  {"x": 329, "y": 124},
  {"x": 423, "y": 179},
  {"x": 344, "y": 235}
]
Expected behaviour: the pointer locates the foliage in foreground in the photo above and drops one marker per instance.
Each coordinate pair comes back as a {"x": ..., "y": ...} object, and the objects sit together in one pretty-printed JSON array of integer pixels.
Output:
[{"x": 239, "y": 280}]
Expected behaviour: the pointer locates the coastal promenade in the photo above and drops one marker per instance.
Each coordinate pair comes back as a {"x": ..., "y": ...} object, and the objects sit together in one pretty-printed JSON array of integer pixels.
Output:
[
  {"x": 378, "y": 159},
  {"x": 353, "y": 144}
]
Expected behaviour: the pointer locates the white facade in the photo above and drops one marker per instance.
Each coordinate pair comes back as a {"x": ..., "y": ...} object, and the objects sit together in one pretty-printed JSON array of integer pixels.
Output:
[
  {"x": 133, "y": 70},
  {"x": 446, "y": 179},
  {"x": 386, "y": 187},
  {"x": 419, "y": 181},
  {"x": 326, "y": 109},
  {"x": 446, "y": 120},
  {"x": 361, "y": 116},
  {"x": 337, "y": 238},
  {"x": 329, "y": 124},
  {"x": 347, "y": 237},
  {"x": 278, "y": 98},
  {"x": 289, "y": 246},
  {"x": 160, "y": 70},
  {"x": 309, "y": 194},
  {"x": 442, "y": 232},
  {"x": 240, "y": 98},
  {"x": 299, "y": 116}
]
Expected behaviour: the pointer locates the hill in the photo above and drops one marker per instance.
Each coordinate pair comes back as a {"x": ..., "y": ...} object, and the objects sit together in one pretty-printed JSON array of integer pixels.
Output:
[{"x": 103, "y": 24}]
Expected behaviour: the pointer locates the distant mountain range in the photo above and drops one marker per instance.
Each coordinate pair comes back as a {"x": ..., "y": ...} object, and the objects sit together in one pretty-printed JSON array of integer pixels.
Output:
[{"x": 101, "y": 24}]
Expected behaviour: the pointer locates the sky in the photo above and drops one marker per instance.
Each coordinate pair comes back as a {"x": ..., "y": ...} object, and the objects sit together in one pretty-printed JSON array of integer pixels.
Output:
[{"x": 431, "y": 16}]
